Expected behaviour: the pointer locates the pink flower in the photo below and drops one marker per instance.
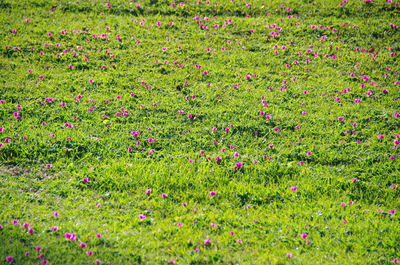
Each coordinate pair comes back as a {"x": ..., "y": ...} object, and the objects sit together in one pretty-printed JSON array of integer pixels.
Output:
[
  {"x": 304, "y": 235},
  {"x": 70, "y": 236},
  {"x": 293, "y": 188},
  {"x": 142, "y": 216},
  {"x": 392, "y": 211},
  {"x": 49, "y": 166},
  {"x": 213, "y": 193},
  {"x": 380, "y": 136},
  {"x": 289, "y": 255},
  {"x": 54, "y": 228},
  {"x": 164, "y": 195},
  {"x": 9, "y": 258},
  {"x": 238, "y": 165},
  {"x": 86, "y": 180},
  {"x": 340, "y": 118},
  {"x": 148, "y": 191},
  {"x": 395, "y": 260},
  {"x": 89, "y": 253},
  {"x": 55, "y": 214},
  {"x": 207, "y": 242},
  {"x": 82, "y": 245}
]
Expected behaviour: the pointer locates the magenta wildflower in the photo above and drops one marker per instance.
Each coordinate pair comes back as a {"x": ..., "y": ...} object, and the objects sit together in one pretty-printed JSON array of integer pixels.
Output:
[
  {"x": 207, "y": 242},
  {"x": 142, "y": 216},
  {"x": 304, "y": 235},
  {"x": 213, "y": 193},
  {"x": 9, "y": 258},
  {"x": 238, "y": 165},
  {"x": 82, "y": 245},
  {"x": 148, "y": 191}
]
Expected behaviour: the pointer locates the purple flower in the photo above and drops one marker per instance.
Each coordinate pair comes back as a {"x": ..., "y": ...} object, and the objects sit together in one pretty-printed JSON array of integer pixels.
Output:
[{"x": 142, "y": 216}]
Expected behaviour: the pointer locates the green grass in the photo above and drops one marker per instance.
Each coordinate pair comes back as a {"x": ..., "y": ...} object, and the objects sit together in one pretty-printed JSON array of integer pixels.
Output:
[{"x": 255, "y": 201}]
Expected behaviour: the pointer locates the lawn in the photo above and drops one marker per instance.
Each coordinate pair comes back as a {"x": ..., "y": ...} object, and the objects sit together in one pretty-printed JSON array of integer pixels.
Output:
[{"x": 199, "y": 132}]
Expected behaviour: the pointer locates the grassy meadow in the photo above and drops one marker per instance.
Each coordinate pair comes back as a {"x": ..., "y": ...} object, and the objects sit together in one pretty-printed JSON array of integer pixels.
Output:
[{"x": 199, "y": 132}]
